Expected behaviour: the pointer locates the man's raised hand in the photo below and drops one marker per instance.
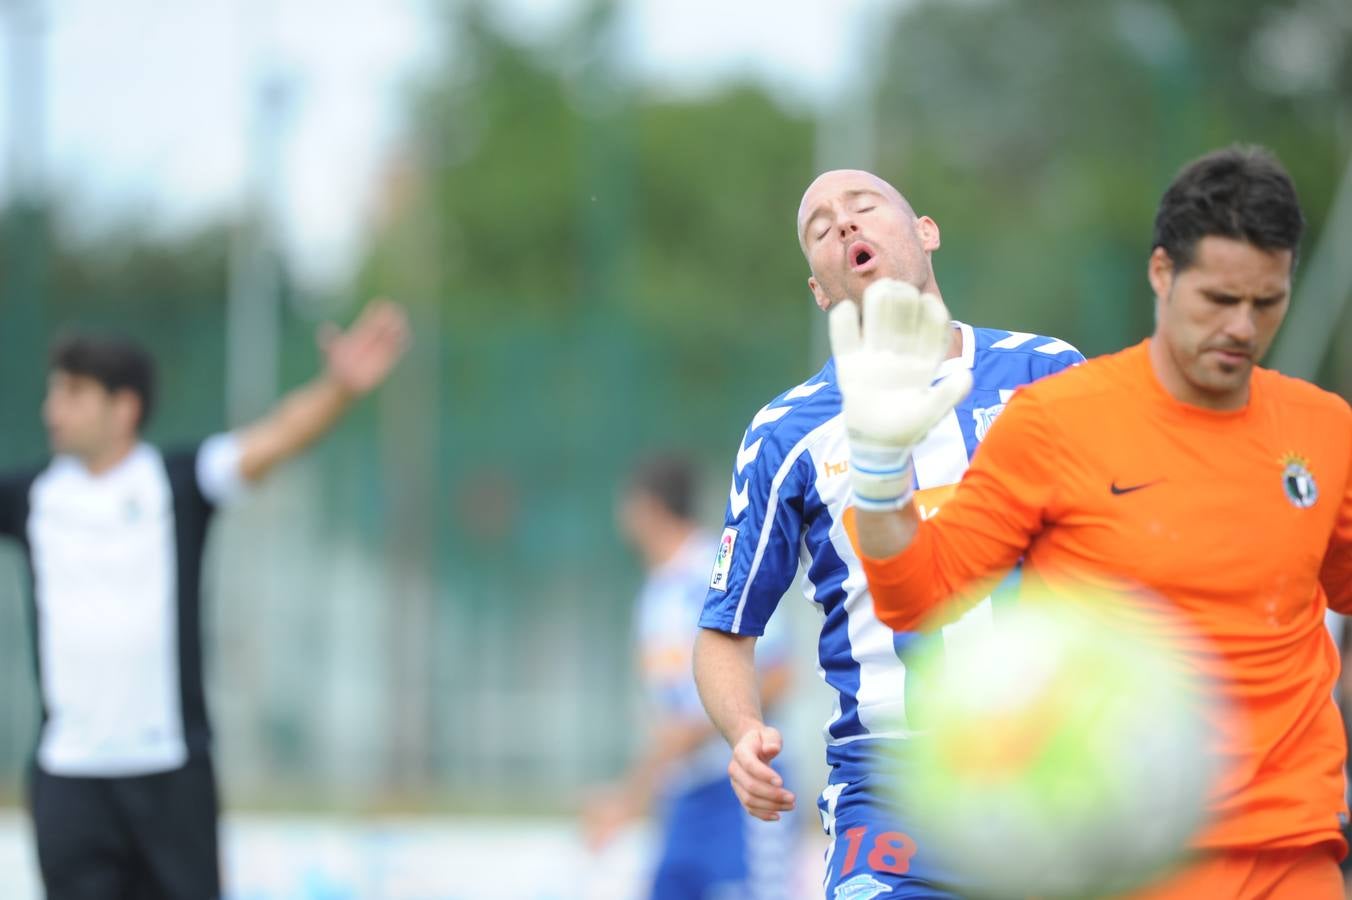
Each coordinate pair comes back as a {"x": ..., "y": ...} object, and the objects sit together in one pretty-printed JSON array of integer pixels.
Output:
[
  {"x": 886, "y": 377},
  {"x": 361, "y": 357}
]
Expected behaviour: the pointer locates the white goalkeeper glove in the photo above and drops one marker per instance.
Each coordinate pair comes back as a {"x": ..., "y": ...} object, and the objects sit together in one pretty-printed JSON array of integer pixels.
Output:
[{"x": 886, "y": 378}]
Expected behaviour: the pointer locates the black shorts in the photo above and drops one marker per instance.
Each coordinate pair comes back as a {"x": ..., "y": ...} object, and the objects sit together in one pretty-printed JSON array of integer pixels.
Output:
[{"x": 144, "y": 836}]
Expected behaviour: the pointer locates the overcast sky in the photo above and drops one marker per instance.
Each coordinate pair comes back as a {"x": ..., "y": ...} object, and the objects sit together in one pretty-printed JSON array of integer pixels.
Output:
[{"x": 149, "y": 102}]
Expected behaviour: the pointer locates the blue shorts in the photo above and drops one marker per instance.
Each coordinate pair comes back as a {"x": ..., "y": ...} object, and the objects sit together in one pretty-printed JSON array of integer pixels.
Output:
[
  {"x": 711, "y": 848},
  {"x": 873, "y": 852}
]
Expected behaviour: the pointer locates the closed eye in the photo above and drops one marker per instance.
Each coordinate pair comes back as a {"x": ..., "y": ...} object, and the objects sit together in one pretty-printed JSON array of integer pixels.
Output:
[{"x": 1231, "y": 300}]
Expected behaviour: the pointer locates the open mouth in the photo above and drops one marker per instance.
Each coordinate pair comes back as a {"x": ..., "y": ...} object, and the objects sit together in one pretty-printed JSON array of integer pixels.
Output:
[{"x": 860, "y": 255}]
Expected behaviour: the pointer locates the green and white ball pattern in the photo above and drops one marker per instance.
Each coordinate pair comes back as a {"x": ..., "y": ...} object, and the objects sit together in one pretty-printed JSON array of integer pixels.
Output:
[{"x": 1061, "y": 756}]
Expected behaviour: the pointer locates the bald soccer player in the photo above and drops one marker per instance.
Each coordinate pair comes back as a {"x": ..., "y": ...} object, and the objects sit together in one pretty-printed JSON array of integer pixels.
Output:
[{"x": 790, "y": 486}]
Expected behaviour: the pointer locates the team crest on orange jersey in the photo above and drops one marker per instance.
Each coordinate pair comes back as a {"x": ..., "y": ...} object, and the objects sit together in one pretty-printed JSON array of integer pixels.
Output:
[{"x": 1298, "y": 482}]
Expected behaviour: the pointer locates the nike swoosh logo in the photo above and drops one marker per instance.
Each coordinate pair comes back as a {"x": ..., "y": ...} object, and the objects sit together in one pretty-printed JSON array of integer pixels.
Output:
[{"x": 1117, "y": 491}]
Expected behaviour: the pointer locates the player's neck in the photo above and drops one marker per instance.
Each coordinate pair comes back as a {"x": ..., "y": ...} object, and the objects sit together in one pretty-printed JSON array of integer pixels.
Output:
[
  {"x": 955, "y": 334},
  {"x": 107, "y": 458},
  {"x": 1176, "y": 383}
]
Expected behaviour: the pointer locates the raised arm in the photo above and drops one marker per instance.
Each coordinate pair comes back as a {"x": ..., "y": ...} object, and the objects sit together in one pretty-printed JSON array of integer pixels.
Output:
[
  {"x": 885, "y": 533},
  {"x": 886, "y": 371},
  {"x": 356, "y": 362},
  {"x": 890, "y": 403}
]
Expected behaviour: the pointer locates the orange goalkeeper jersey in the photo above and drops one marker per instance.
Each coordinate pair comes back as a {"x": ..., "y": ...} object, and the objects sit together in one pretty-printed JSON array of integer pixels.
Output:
[{"x": 1242, "y": 520}]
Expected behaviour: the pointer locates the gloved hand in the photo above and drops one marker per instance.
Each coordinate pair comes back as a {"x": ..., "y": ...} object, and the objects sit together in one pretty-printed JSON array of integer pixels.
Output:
[{"x": 886, "y": 379}]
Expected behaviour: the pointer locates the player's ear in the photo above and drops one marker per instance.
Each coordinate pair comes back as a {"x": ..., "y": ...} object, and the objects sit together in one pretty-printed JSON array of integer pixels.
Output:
[
  {"x": 1160, "y": 271},
  {"x": 823, "y": 301},
  {"x": 928, "y": 231}
]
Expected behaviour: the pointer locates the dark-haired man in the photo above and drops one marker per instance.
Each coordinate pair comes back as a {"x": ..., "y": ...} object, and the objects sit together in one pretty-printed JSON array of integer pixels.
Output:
[
  {"x": 1177, "y": 465},
  {"x": 122, "y": 790},
  {"x": 710, "y": 846}
]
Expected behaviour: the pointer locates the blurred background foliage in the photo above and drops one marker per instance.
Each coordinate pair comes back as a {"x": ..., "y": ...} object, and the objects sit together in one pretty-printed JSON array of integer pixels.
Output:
[{"x": 595, "y": 269}]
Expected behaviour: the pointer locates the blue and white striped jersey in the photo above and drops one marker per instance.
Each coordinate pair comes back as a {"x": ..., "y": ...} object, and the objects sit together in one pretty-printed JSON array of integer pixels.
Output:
[{"x": 790, "y": 486}]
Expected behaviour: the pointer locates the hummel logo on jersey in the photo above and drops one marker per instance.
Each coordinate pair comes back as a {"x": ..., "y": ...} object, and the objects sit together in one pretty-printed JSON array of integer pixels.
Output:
[
  {"x": 1118, "y": 491},
  {"x": 746, "y": 455},
  {"x": 830, "y": 469},
  {"x": 738, "y": 497}
]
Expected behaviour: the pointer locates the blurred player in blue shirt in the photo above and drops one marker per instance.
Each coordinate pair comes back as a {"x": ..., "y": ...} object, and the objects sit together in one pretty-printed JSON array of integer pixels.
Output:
[{"x": 711, "y": 849}]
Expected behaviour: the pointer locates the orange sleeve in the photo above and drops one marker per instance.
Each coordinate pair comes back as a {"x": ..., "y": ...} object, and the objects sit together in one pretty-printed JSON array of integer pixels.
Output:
[
  {"x": 981, "y": 531},
  {"x": 1336, "y": 572}
]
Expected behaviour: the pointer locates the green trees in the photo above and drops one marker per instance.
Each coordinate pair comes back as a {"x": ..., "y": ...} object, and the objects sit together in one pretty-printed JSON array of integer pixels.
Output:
[{"x": 1041, "y": 133}]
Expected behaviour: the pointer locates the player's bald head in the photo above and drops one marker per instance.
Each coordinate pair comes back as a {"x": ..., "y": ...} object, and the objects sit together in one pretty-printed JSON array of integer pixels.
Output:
[{"x": 845, "y": 181}]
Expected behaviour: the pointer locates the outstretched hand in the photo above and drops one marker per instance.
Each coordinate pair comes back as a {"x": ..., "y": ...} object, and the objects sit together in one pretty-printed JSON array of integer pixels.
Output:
[
  {"x": 757, "y": 785},
  {"x": 361, "y": 358}
]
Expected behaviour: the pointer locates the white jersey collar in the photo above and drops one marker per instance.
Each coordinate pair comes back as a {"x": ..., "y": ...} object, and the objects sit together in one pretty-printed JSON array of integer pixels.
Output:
[{"x": 964, "y": 360}]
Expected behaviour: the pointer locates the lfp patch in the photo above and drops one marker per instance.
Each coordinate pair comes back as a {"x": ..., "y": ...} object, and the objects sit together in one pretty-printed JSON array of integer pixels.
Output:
[
  {"x": 1298, "y": 482},
  {"x": 723, "y": 562}
]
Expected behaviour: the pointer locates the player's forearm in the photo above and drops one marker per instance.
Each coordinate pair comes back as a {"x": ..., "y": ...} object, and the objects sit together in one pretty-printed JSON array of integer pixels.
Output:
[
  {"x": 885, "y": 533},
  {"x": 911, "y": 590},
  {"x": 302, "y": 417},
  {"x": 907, "y": 591},
  {"x": 725, "y": 673}
]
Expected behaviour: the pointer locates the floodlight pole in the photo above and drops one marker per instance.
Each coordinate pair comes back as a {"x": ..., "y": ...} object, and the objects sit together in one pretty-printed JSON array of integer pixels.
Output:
[
  {"x": 23, "y": 282},
  {"x": 847, "y": 132},
  {"x": 253, "y": 303},
  {"x": 25, "y": 22}
]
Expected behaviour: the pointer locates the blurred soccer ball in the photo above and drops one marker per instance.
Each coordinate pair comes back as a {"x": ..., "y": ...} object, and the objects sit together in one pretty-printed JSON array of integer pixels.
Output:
[{"x": 1063, "y": 756}]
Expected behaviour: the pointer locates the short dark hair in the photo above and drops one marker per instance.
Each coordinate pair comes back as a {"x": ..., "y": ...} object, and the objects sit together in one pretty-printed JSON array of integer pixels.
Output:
[
  {"x": 670, "y": 480},
  {"x": 117, "y": 363},
  {"x": 1239, "y": 192}
]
